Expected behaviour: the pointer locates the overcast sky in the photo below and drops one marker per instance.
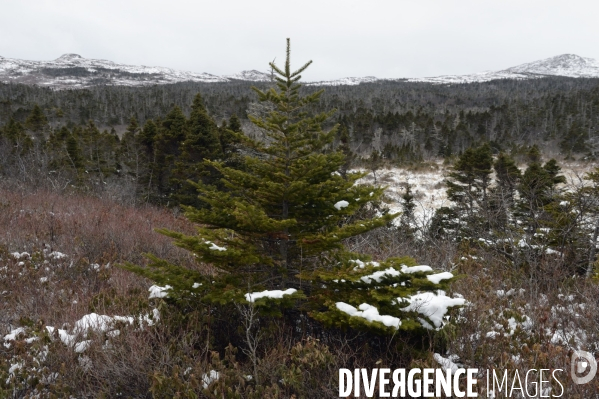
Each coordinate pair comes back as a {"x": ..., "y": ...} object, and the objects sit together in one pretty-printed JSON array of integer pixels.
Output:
[{"x": 382, "y": 38}]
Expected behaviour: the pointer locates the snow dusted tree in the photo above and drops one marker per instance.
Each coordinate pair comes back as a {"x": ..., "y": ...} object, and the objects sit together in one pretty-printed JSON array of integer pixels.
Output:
[{"x": 274, "y": 235}]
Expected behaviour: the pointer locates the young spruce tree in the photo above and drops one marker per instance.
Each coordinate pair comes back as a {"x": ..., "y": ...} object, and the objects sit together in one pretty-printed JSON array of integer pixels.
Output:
[{"x": 275, "y": 232}]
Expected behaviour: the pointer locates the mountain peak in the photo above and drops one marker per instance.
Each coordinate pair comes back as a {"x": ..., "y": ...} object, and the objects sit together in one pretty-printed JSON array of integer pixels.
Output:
[
  {"x": 69, "y": 57},
  {"x": 571, "y": 65}
]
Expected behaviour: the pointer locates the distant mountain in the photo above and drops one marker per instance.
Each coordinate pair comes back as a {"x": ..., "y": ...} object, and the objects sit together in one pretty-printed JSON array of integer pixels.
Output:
[
  {"x": 345, "y": 81},
  {"x": 74, "y": 71},
  {"x": 252, "y": 76},
  {"x": 569, "y": 65},
  {"x": 563, "y": 65}
]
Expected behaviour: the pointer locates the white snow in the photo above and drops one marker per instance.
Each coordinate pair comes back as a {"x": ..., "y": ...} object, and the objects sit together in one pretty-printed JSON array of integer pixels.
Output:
[
  {"x": 12, "y": 336},
  {"x": 93, "y": 321},
  {"x": 436, "y": 278},
  {"x": 215, "y": 247},
  {"x": 446, "y": 363},
  {"x": 362, "y": 265},
  {"x": 22, "y": 255},
  {"x": 415, "y": 269},
  {"x": 344, "y": 81},
  {"x": 273, "y": 294},
  {"x": 377, "y": 276},
  {"x": 31, "y": 72},
  {"x": 57, "y": 255},
  {"x": 65, "y": 337},
  {"x": 82, "y": 346},
  {"x": 341, "y": 204},
  {"x": 562, "y": 65},
  {"x": 209, "y": 378},
  {"x": 157, "y": 291},
  {"x": 15, "y": 367},
  {"x": 14, "y": 70},
  {"x": 434, "y": 307},
  {"x": 368, "y": 312},
  {"x": 252, "y": 76}
]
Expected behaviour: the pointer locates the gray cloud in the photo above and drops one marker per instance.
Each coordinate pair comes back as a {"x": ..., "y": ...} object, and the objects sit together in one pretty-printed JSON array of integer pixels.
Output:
[{"x": 383, "y": 38}]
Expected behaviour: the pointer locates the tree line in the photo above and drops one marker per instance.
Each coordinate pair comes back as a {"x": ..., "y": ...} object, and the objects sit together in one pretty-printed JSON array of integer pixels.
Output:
[{"x": 402, "y": 122}]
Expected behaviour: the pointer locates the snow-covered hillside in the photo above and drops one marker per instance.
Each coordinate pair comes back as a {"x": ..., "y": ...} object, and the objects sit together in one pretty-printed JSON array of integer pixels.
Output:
[
  {"x": 74, "y": 71},
  {"x": 345, "y": 81},
  {"x": 569, "y": 65},
  {"x": 563, "y": 65},
  {"x": 252, "y": 76}
]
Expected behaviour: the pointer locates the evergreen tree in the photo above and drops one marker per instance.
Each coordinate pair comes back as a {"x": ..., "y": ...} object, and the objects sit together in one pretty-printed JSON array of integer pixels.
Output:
[
  {"x": 201, "y": 143},
  {"x": 344, "y": 147},
  {"x": 280, "y": 226},
  {"x": 407, "y": 221},
  {"x": 538, "y": 189},
  {"x": 468, "y": 186},
  {"x": 507, "y": 175},
  {"x": 227, "y": 135},
  {"x": 19, "y": 140},
  {"x": 133, "y": 155},
  {"x": 73, "y": 152},
  {"x": 167, "y": 149},
  {"x": 147, "y": 181},
  {"x": 36, "y": 121},
  {"x": 575, "y": 139},
  {"x": 147, "y": 136}
]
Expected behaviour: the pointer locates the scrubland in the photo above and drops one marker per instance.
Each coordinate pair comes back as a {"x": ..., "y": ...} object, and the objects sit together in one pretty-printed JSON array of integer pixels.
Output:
[{"x": 74, "y": 324}]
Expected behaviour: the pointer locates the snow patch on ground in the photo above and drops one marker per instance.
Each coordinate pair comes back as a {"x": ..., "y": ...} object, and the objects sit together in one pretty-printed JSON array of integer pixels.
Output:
[{"x": 209, "y": 378}]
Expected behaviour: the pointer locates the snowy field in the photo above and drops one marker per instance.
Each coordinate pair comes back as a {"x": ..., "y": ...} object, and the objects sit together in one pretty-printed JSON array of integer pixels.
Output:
[{"x": 429, "y": 189}]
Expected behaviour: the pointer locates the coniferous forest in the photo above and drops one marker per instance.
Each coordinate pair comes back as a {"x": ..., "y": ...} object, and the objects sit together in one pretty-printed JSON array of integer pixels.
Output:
[{"x": 231, "y": 240}]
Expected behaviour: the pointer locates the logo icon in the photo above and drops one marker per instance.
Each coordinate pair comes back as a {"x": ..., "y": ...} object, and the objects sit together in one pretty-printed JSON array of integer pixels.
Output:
[{"x": 583, "y": 367}]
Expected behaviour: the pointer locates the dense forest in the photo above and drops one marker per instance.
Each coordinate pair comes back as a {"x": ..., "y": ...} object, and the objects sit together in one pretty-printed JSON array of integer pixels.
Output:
[
  {"x": 402, "y": 120},
  {"x": 107, "y": 134}
]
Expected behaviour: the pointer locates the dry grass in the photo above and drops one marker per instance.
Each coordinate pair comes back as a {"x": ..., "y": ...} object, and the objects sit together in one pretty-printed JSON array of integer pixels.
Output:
[
  {"x": 42, "y": 288},
  {"x": 172, "y": 356}
]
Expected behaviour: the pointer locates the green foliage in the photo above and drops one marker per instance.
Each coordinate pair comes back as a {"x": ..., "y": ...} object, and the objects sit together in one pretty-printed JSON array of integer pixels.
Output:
[
  {"x": 280, "y": 221},
  {"x": 201, "y": 143},
  {"x": 468, "y": 187},
  {"x": 407, "y": 220},
  {"x": 469, "y": 181},
  {"x": 36, "y": 120},
  {"x": 507, "y": 174},
  {"x": 15, "y": 134}
]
